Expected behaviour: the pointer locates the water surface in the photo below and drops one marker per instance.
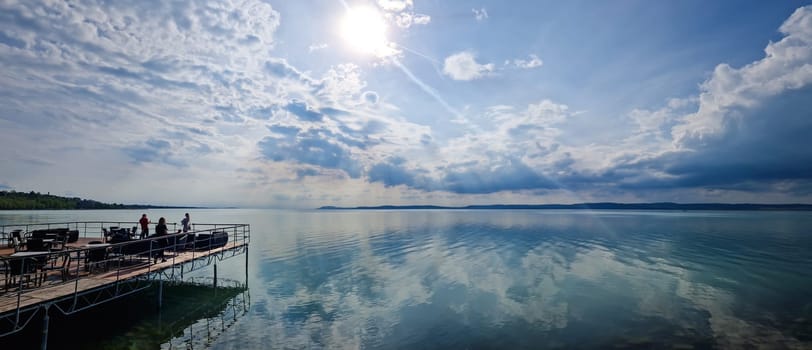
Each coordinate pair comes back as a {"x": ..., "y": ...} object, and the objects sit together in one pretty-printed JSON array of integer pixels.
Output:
[{"x": 512, "y": 279}]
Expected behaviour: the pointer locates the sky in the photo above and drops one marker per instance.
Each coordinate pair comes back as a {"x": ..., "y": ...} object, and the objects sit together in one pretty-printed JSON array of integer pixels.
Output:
[{"x": 301, "y": 104}]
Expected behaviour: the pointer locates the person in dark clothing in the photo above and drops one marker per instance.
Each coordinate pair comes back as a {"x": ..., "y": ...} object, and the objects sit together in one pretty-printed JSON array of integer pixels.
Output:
[
  {"x": 144, "y": 226},
  {"x": 160, "y": 230}
]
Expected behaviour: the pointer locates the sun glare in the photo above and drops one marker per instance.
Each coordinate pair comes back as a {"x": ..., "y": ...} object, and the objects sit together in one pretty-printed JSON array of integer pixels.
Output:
[{"x": 364, "y": 29}]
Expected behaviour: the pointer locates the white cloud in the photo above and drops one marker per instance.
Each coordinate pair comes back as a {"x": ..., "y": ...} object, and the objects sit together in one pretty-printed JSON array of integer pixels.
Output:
[
  {"x": 785, "y": 67},
  {"x": 188, "y": 89},
  {"x": 316, "y": 47},
  {"x": 395, "y": 5},
  {"x": 480, "y": 14},
  {"x": 532, "y": 62},
  {"x": 463, "y": 66},
  {"x": 370, "y": 97},
  {"x": 404, "y": 20},
  {"x": 402, "y": 13},
  {"x": 422, "y": 19}
]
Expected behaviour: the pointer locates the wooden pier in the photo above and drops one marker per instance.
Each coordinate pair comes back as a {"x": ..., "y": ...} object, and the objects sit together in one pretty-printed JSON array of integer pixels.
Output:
[{"x": 90, "y": 271}]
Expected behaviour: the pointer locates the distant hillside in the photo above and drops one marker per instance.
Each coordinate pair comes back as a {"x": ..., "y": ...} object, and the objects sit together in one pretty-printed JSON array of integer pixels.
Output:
[
  {"x": 599, "y": 206},
  {"x": 11, "y": 200}
]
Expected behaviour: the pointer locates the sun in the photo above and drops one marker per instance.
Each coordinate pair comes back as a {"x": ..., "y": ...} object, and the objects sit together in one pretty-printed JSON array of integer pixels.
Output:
[{"x": 364, "y": 29}]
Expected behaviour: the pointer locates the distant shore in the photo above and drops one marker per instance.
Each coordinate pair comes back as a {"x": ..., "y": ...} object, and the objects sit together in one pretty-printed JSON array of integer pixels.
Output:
[
  {"x": 599, "y": 206},
  {"x": 13, "y": 200}
]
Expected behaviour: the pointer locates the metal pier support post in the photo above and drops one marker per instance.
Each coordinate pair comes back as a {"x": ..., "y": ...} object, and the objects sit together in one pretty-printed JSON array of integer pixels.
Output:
[
  {"x": 160, "y": 291},
  {"x": 45, "y": 320},
  {"x": 215, "y": 274}
]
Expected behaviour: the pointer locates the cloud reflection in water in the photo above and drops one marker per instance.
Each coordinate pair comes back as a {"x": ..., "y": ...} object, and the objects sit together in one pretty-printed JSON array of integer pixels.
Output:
[{"x": 426, "y": 279}]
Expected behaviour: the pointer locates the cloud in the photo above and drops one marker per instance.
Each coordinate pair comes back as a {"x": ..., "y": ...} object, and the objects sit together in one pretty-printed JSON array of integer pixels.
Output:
[
  {"x": 509, "y": 175},
  {"x": 370, "y": 97},
  {"x": 421, "y": 19},
  {"x": 744, "y": 133},
  {"x": 316, "y": 47},
  {"x": 507, "y": 150},
  {"x": 391, "y": 174},
  {"x": 463, "y": 66},
  {"x": 395, "y": 5},
  {"x": 402, "y": 13},
  {"x": 480, "y": 14},
  {"x": 310, "y": 147},
  {"x": 121, "y": 80},
  {"x": 196, "y": 87},
  {"x": 747, "y": 129},
  {"x": 154, "y": 151},
  {"x": 532, "y": 62},
  {"x": 303, "y": 111},
  {"x": 785, "y": 67}
]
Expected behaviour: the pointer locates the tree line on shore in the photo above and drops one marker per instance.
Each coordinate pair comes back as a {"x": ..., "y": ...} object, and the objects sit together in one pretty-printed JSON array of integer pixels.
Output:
[{"x": 13, "y": 200}]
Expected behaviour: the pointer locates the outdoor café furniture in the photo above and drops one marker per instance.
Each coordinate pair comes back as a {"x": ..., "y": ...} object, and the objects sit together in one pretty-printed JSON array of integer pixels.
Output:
[
  {"x": 139, "y": 248},
  {"x": 4, "y": 271},
  {"x": 60, "y": 243},
  {"x": 96, "y": 255},
  {"x": 210, "y": 240},
  {"x": 25, "y": 268},
  {"x": 178, "y": 243},
  {"x": 57, "y": 262},
  {"x": 38, "y": 244},
  {"x": 28, "y": 254},
  {"x": 115, "y": 234},
  {"x": 15, "y": 239},
  {"x": 73, "y": 236}
]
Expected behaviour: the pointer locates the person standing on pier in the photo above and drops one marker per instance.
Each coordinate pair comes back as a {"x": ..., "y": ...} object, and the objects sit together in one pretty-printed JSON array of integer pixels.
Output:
[
  {"x": 160, "y": 230},
  {"x": 144, "y": 226},
  {"x": 187, "y": 223}
]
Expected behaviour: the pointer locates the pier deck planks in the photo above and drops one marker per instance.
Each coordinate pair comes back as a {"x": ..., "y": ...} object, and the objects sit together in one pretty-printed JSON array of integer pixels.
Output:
[{"x": 8, "y": 301}]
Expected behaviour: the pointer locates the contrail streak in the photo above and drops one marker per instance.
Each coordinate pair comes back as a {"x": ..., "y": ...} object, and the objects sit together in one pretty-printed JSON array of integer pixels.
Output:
[
  {"x": 431, "y": 59},
  {"x": 428, "y": 89}
]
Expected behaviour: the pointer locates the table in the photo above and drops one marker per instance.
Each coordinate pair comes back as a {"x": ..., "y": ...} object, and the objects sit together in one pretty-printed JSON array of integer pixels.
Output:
[
  {"x": 36, "y": 266},
  {"x": 25, "y": 254},
  {"x": 97, "y": 245}
]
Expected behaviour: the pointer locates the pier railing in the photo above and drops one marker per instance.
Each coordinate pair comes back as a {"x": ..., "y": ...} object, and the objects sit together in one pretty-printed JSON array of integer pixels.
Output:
[{"x": 94, "y": 263}]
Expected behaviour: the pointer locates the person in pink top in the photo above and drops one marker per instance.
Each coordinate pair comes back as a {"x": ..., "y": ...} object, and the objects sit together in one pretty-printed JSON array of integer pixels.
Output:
[{"x": 144, "y": 226}]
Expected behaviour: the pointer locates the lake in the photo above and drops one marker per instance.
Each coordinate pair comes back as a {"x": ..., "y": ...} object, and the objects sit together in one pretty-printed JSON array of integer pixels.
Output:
[{"x": 443, "y": 279}]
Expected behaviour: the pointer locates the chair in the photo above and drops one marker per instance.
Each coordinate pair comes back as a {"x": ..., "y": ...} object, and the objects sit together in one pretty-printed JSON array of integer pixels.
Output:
[
  {"x": 118, "y": 236},
  {"x": 61, "y": 234},
  {"x": 59, "y": 262},
  {"x": 179, "y": 243},
  {"x": 4, "y": 270},
  {"x": 105, "y": 233},
  {"x": 205, "y": 241},
  {"x": 16, "y": 240},
  {"x": 73, "y": 236},
  {"x": 36, "y": 245},
  {"x": 60, "y": 243},
  {"x": 24, "y": 271},
  {"x": 38, "y": 234},
  {"x": 95, "y": 257}
]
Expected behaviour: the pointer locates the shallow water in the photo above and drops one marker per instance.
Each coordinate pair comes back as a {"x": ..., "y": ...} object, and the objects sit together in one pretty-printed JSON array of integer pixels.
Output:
[{"x": 511, "y": 279}]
